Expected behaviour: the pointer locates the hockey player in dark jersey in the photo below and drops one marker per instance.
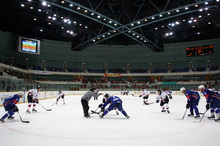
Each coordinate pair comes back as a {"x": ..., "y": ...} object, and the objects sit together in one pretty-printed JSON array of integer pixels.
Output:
[
  {"x": 10, "y": 105},
  {"x": 115, "y": 102},
  {"x": 103, "y": 102},
  {"x": 213, "y": 102},
  {"x": 192, "y": 101}
]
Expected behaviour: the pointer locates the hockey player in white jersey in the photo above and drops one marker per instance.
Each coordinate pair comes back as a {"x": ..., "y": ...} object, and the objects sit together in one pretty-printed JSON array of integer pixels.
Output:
[
  {"x": 163, "y": 98},
  {"x": 145, "y": 95},
  {"x": 60, "y": 95},
  {"x": 33, "y": 95}
]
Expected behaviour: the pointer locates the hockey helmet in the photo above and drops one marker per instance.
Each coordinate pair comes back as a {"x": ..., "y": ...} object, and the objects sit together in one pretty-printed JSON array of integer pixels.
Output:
[
  {"x": 21, "y": 93},
  {"x": 106, "y": 95},
  {"x": 182, "y": 89},
  {"x": 159, "y": 91},
  {"x": 38, "y": 87},
  {"x": 201, "y": 87},
  {"x": 92, "y": 88}
]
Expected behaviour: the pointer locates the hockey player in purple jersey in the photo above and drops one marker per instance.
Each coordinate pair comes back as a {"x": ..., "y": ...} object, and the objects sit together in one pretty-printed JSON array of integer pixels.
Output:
[
  {"x": 192, "y": 101},
  {"x": 115, "y": 102},
  {"x": 10, "y": 105},
  {"x": 213, "y": 102}
]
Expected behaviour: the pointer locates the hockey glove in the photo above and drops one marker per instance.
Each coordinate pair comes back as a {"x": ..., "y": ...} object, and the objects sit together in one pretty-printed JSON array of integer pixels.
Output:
[
  {"x": 100, "y": 105},
  {"x": 207, "y": 106},
  {"x": 102, "y": 110},
  {"x": 140, "y": 95},
  {"x": 170, "y": 97},
  {"x": 37, "y": 101},
  {"x": 15, "y": 109},
  {"x": 187, "y": 105},
  {"x": 157, "y": 101}
]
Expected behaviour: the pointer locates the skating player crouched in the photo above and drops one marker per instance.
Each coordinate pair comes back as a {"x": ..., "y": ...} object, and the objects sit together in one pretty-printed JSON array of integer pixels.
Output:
[
  {"x": 103, "y": 102},
  {"x": 213, "y": 102},
  {"x": 163, "y": 98},
  {"x": 115, "y": 102},
  {"x": 10, "y": 105},
  {"x": 33, "y": 95},
  {"x": 192, "y": 101},
  {"x": 60, "y": 95}
]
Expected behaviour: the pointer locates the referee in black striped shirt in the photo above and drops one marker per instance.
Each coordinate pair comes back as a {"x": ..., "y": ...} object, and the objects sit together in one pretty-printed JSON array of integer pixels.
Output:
[{"x": 85, "y": 100}]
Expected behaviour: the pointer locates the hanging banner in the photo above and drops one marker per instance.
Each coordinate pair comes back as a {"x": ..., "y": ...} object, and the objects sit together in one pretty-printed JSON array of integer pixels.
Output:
[{"x": 112, "y": 74}]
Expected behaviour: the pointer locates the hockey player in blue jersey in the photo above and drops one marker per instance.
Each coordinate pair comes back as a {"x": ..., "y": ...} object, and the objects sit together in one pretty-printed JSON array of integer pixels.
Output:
[
  {"x": 213, "y": 102},
  {"x": 115, "y": 102},
  {"x": 192, "y": 101},
  {"x": 10, "y": 105}
]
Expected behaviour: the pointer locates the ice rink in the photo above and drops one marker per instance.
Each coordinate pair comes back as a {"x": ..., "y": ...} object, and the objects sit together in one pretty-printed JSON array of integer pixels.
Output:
[{"x": 147, "y": 126}]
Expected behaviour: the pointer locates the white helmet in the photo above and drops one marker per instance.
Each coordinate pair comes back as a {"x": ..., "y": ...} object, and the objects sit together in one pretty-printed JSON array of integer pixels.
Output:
[
  {"x": 201, "y": 87},
  {"x": 21, "y": 93},
  {"x": 182, "y": 89}
]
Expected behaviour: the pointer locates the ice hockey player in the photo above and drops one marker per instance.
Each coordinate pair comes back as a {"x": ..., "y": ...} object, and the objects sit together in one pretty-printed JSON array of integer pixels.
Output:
[
  {"x": 60, "y": 95},
  {"x": 163, "y": 98},
  {"x": 85, "y": 100},
  {"x": 192, "y": 101},
  {"x": 115, "y": 102},
  {"x": 213, "y": 102},
  {"x": 124, "y": 92},
  {"x": 145, "y": 95},
  {"x": 10, "y": 105},
  {"x": 33, "y": 95},
  {"x": 103, "y": 102}
]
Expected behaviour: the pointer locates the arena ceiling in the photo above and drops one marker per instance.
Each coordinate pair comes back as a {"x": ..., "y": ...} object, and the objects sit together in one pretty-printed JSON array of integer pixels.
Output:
[{"x": 149, "y": 23}]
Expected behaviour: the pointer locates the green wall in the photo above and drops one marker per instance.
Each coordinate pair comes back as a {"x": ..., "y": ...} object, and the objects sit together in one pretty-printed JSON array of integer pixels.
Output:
[{"x": 55, "y": 53}]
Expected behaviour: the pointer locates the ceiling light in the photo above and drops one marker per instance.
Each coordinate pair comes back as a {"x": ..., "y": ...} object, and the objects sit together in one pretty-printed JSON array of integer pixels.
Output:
[
  {"x": 80, "y": 24},
  {"x": 103, "y": 36},
  {"x": 171, "y": 33},
  {"x": 110, "y": 21},
  {"x": 138, "y": 22},
  {"x": 62, "y": 27},
  {"x": 133, "y": 34},
  {"x": 198, "y": 32},
  {"x": 200, "y": 10},
  {"x": 200, "y": 16},
  {"x": 54, "y": 18},
  {"x": 98, "y": 16},
  {"x": 71, "y": 5},
  {"x": 22, "y": 5},
  {"x": 195, "y": 20},
  {"x": 86, "y": 26},
  {"x": 156, "y": 28},
  {"x": 137, "y": 36},
  {"x": 109, "y": 33},
  {"x": 39, "y": 10},
  {"x": 206, "y": 3},
  {"x": 85, "y": 11},
  {"x": 62, "y": 2},
  {"x": 161, "y": 15},
  {"x": 132, "y": 24},
  {"x": 196, "y": 5},
  {"x": 115, "y": 24},
  {"x": 31, "y": 8},
  {"x": 193, "y": 26},
  {"x": 162, "y": 26},
  {"x": 190, "y": 21},
  {"x": 208, "y": 14},
  {"x": 177, "y": 23},
  {"x": 177, "y": 10},
  {"x": 35, "y": 19},
  {"x": 93, "y": 40},
  {"x": 206, "y": 9},
  {"x": 92, "y": 14},
  {"x": 78, "y": 8},
  {"x": 168, "y": 13},
  {"x": 44, "y": 3},
  {"x": 129, "y": 31},
  {"x": 41, "y": 30},
  {"x": 145, "y": 20},
  {"x": 65, "y": 20},
  {"x": 49, "y": 17},
  {"x": 114, "y": 30},
  {"x": 184, "y": 20},
  {"x": 209, "y": 22},
  {"x": 104, "y": 18},
  {"x": 186, "y": 8},
  {"x": 217, "y": 0},
  {"x": 153, "y": 18},
  {"x": 49, "y": 23}
]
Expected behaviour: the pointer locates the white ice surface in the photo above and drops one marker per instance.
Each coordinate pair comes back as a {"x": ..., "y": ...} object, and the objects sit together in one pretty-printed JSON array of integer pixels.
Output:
[{"x": 65, "y": 125}]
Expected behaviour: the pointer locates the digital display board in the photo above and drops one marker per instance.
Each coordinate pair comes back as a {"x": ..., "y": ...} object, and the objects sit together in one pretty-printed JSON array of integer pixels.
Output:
[
  {"x": 200, "y": 50},
  {"x": 27, "y": 45}
]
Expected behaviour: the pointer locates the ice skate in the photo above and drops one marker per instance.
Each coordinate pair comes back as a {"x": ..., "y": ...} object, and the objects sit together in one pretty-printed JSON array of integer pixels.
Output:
[
  {"x": 127, "y": 116},
  {"x": 211, "y": 117},
  {"x": 101, "y": 116},
  {"x": 168, "y": 111},
  {"x": 28, "y": 111},
  {"x": 163, "y": 110},
  {"x": 197, "y": 117},
  {"x": 2, "y": 120},
  {"x": 217, "y": 120},
  {"x": 34, "y": 110},
  {"x": 10, "y": 117},
  {"x": 190, "y": 115}
]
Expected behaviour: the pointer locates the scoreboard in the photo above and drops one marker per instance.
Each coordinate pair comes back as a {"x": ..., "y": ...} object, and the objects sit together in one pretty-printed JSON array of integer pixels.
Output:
[{"x": 200, "y": 50}]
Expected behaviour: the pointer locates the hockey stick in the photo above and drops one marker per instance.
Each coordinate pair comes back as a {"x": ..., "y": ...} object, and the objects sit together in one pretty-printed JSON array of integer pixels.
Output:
[
  {"x": 23, "y": 120},
  {"x": 53, "y": 103},
  {"x": 184, "y": 114},
  {"x": 94, "y": 111},
  {"x": 45, "y": 108},
  {"x": 201, "y": 118},
  {"x": 133, "y": 95}
]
